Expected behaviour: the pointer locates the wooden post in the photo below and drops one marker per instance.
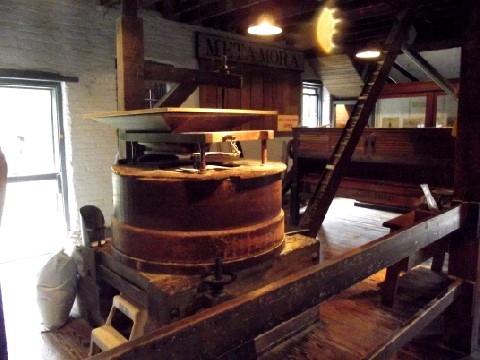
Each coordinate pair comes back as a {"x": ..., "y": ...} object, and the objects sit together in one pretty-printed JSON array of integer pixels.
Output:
[
  {"x": 264, "y": 151},
  {"x": 462, "y": 320},
  {"x": 130, "y": 58}
]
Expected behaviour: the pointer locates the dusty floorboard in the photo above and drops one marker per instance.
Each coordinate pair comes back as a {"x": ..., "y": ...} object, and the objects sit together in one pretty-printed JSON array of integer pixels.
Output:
[
  {"x": 354, "y": 322},
  {"x": 345, "y": 227},
  {"x": 70, "y": 342}
]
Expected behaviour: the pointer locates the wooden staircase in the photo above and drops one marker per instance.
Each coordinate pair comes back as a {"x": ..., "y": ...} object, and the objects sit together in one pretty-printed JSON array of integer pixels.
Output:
[{"x": 337, "y": 165}]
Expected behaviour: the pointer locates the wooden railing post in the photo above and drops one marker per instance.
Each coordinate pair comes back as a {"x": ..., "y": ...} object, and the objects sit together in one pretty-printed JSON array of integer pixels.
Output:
[{"x": 463, "y": 318}]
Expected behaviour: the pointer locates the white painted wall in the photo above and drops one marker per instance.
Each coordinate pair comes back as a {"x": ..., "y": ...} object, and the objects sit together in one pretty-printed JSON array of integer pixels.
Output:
[{"x": 77, "y": 38}]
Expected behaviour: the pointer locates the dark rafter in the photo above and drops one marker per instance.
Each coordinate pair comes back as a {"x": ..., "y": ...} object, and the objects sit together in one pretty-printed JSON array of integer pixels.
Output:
[
  {"x": 439, "y": 23},
  {"x": 404, "y": 72}
]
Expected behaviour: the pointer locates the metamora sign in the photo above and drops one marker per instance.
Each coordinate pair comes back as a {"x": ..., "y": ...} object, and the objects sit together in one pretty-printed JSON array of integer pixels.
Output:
[{"x": 215, "y": 47}]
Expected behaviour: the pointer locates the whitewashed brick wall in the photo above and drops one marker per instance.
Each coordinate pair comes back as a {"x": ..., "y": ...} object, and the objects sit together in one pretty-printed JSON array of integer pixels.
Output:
[{"x": 77, "y": 38}]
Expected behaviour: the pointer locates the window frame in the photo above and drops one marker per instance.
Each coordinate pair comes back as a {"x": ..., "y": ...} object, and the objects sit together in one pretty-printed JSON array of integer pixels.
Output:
[
  {"x": 58, "y": 137},
  {"x": 318, "y": 88}
]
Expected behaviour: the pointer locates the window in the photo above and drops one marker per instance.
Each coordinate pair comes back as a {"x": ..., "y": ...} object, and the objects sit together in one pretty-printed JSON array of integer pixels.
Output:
[
  {"x": 403, "y": 112},
  {"x": 341, "y": 112},
  {"x": 31, "y": 137},
  {"x": 311, "y": 104},
  {"x": 447, "y": 108},
  {"x": 414, "y": 105}
]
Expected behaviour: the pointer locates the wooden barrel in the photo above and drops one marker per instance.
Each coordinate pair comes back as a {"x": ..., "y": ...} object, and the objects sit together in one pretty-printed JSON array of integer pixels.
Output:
[{"x": 177, "y": 222}]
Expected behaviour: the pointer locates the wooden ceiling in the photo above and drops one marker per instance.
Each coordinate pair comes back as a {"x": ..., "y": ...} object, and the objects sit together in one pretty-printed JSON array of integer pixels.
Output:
[{"x": 439, "y": 23}]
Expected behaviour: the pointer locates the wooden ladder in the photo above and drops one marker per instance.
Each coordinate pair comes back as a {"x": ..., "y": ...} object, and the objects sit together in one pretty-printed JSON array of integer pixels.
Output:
[{"x": 340, "y": 158}]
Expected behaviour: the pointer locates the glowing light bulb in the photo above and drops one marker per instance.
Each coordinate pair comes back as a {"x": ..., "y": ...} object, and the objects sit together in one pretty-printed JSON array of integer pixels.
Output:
[
  {"x": 368, "y": 54},
  {"x": 265, "y": 26}
]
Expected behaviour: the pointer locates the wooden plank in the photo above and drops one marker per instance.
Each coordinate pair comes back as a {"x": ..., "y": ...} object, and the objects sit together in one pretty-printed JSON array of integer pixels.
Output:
[
  {"x": 245, "y": 95},
  {"x": 257, "y": 99},
  {"x": 7, "y": 74},
  {"x": 175, "y": 119},
  {"x": 424, "y": 317},
  {"x": 161, "y": 72},
  {"x": 353, "y": 324},
  {"x": 130, "y": 59},
  {"x": 200, "y": 138},
  {"x": 177, "y": 95},
  {"x": 464, "y": 320},
  {"x": 467, "y": 152},
  {"x": 130, "y": 290},
  {"x": 233, "y": 98},
  {"x": 429, "y": 70},
  {"x": 240, "y": 320}
]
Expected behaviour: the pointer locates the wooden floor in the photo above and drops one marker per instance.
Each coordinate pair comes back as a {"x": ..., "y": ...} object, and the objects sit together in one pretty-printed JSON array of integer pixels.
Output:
[
  {"x": 26, "y": 337},
  {"x": 354, "y": 323},
  {"x": 346, "y": 226}
]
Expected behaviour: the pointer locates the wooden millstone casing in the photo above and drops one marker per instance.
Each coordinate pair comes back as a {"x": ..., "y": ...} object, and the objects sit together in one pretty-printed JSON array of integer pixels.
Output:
[{"x": 175, "y": 222}]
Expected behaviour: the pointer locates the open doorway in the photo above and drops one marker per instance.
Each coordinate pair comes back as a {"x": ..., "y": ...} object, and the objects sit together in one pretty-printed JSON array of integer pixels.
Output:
[{"x": 31, "y": 136}]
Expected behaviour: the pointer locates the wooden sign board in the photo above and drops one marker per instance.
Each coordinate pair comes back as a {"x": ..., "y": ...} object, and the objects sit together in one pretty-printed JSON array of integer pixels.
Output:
[
  {"x": 287, "y": 122},
  {"x": 255, "y": 53}
]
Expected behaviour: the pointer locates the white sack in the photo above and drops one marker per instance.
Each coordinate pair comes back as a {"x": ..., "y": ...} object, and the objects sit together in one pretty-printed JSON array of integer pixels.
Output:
[{"x": 56, "y": 290}]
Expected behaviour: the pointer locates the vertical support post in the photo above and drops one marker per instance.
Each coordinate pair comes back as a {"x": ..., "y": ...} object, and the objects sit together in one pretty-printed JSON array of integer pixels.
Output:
[
  {"x": 130, "y": 68},
  {"x": 264, "y": 151},
  {"x": 463, "y": 318},
  {"x": 294, "y": 191},
  {"x": 130, "y": 58},
  {"x": 203, "y": 158},
  {"x": 134, "y": 148}
]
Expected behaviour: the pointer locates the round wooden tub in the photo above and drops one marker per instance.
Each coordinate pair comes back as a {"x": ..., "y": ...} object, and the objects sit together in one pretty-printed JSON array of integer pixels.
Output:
[{"x": 177, "y": 222}]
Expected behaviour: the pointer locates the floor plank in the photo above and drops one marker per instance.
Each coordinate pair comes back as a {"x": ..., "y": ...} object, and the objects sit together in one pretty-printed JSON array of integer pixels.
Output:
[
  {"x": 354, "y": 322},
  {"x": 345, "y": 227}
]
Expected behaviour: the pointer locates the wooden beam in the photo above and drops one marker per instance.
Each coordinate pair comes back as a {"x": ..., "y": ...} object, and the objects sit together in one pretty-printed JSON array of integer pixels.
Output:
[
  {"x": 421, "y": 319},
  {"x": 428, "y": 69},
  {"x": 130, "y": 59},
  {"x": 35, "y": 75},
  {"x": 178, "y": 94},
  {"x": 160, "y": 72},
  {"x": 215, "y": 331},
  {"x": 462, "y": 322},
  {"x": 467, "y": 155},
  {"x": 202, "y": 138},
  {"x": 404, "y": 72},
  {"x": 209, "y": 9}
]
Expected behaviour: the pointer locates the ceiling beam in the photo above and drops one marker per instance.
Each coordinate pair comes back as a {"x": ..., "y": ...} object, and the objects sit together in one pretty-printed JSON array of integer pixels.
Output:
[
  {"x": 209, "y": 9},
  {"x": 404, "y": 71},
  {"x": 428, "y": 69}
]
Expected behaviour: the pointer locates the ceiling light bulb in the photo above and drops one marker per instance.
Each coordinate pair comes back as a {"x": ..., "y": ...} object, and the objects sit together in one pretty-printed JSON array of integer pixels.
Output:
[
  {"x": 264, "y": 27},
  {"x": 368, "y": 54}
]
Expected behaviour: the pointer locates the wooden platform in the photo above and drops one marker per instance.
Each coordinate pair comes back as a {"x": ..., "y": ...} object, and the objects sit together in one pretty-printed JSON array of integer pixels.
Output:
[
  {"x": 346, "y": 227},
  {"x": 354, "y": 246},
  {"x": 358, "y": 312}
]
